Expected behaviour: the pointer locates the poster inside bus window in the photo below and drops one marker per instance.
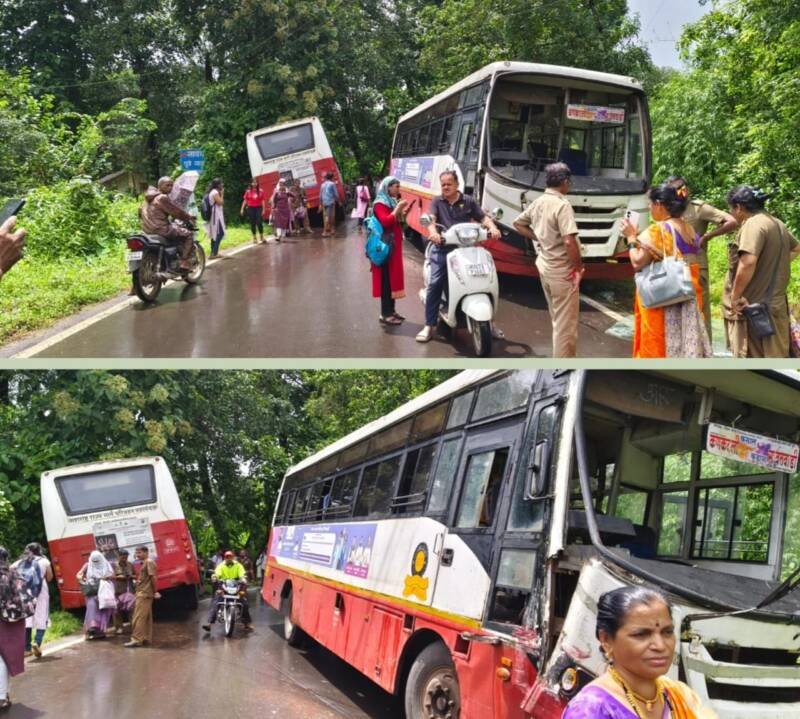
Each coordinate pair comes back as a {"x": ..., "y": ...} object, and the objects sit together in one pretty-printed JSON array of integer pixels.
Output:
[
  {"x": 123, "y": 533},
  {"x": 743, "y": 446},
  {"x": 344, "y": 547},
  {"x": 596, "y": 113}
]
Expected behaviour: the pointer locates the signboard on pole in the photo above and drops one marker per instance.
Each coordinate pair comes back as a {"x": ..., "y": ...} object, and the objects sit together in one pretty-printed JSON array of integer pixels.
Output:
[{"x": 192, "y": 160}]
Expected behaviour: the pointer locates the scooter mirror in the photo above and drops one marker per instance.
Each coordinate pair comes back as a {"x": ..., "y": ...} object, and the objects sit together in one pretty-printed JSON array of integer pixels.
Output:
[
  {"x": 496, "y": 213},
  {"x": 425, "y": 220}
]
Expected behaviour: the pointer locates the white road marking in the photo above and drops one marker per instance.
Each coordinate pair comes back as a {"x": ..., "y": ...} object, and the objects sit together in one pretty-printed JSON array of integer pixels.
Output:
[
  {"x": 59, "y": 646},
  {"x": 94, "y": 319}
]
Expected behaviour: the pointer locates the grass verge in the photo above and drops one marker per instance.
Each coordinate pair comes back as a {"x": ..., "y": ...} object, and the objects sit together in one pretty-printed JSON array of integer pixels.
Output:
[
  {"x": 38, "y": 292},
  {"x": 62, "y": 624}
]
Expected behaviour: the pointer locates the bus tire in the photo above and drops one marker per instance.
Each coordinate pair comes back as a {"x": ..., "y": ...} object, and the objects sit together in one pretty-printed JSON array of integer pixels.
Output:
[
  {"x": 191, "y": 594},
  {"x": 432, "y": 690},
  {"x": 291, "y": 632}
]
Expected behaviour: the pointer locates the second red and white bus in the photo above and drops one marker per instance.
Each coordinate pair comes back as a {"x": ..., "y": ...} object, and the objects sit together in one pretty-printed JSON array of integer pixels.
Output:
[
  {"x": 113, "y": 505},
  {"x": 501, "y": 126},
  {"x": 298, "y": 150},
  {"x": 454, "y": 550}
]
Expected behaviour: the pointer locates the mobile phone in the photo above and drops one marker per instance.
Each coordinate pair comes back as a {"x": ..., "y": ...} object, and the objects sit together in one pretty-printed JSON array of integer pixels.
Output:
[
  {"x": 11, "y": 208},
  {"x": 633, "y": 217}
]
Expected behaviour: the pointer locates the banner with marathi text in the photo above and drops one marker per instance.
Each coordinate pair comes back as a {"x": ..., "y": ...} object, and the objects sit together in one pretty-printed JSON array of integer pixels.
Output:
[
  {"x": 752, "y": 448},
  {"x": 594, "y": 113}
]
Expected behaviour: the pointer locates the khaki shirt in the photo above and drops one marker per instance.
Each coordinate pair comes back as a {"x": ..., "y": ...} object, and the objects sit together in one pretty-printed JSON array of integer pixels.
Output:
[
  {"x": 770, "y": 241},
  {"x": 551, "y": 219},
  {"x": 146, "y": 585},
  {"x": 700, "y": 215}
]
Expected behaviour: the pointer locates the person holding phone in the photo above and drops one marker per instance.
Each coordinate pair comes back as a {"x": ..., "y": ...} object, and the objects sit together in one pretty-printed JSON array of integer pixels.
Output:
[{"x": 12, "y": 244}]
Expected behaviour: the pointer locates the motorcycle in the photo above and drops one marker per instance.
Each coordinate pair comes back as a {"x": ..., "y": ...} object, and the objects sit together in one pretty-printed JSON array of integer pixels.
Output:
[
  {"x": 229, "y": 609},
  {"x": 472, "y": 290},
  {"x": 154, "y": 259}
]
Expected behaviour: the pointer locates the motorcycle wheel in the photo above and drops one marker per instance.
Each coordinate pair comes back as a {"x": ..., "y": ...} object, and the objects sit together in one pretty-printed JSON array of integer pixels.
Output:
[
  {"x": 146, "y": 282},
  {"x": 481, "y": 337},
  {"x": 199, "y": 256},
  {"x": 230, "y": 620}
]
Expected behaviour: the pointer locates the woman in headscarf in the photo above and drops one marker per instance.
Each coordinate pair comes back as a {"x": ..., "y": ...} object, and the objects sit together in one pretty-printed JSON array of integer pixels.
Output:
[
  {"x": 31, "y": 557},
  {"x": 12, "y": 634},
  {"x": 637, "y": 638},
  {"x": 281, "y": 210},
  {"x": 97, "y": 569},
  {"x": 677, "y": 330},
  {"x": 388, "y": 281}
]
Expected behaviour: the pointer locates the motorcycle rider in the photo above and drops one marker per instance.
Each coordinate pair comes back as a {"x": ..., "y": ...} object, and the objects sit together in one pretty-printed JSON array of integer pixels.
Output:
[
  {"x": 228, "y": 569},
  {"x": 156, "y": 212},
  {"x": 451, "y": 208}
]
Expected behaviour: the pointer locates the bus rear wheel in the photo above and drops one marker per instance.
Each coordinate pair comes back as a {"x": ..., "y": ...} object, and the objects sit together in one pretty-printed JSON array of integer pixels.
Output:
[
  {"x": 432, "y": 690},
  {"x": 291, "y": 632}
]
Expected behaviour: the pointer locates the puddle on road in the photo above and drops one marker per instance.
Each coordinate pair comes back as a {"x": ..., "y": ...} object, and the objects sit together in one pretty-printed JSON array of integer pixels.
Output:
[{"x": 622, "y": 330}]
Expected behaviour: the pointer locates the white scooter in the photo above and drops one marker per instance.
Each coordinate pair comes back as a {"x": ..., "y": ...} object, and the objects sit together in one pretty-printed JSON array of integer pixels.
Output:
[{"x": 471, "y": 294}]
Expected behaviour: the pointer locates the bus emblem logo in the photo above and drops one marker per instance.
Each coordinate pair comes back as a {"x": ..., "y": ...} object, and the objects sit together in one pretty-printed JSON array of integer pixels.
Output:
[{"x": 416, "y": 584}]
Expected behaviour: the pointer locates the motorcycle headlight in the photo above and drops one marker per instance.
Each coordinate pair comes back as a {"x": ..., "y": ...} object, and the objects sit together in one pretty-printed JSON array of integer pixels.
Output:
[{"x": 468, "y": 235}]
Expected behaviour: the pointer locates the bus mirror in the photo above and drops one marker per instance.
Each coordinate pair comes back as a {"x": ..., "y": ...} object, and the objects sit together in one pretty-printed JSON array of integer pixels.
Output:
[
  {"x": 425, "y": 220},
  {"x": 538, "y": 467},
  {"x": 496, "y": 213}
]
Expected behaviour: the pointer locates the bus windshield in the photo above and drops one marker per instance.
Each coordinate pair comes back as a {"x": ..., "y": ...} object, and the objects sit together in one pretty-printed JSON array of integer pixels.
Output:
[
  {"x": 110, "y": 489},
  {"x": 286, "y": 141},
  {"x": 596, "y": 130}
]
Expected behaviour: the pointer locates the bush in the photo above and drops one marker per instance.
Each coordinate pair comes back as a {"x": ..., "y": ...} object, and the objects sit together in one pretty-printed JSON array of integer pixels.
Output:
[{"x": 76, "y": 218}]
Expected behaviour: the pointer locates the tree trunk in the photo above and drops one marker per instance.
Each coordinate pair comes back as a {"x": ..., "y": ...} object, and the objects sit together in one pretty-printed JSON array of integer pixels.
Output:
[{"x": 210, "y": 502}]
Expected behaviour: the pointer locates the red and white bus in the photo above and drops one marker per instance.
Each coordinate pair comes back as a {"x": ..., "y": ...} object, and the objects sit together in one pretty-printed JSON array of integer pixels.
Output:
[
  {"x": 296, "y": 150},
  {"x": 501, "y": 126},
  {"x": 454, "y": 550},
  {"x": 113, "y": 505}
]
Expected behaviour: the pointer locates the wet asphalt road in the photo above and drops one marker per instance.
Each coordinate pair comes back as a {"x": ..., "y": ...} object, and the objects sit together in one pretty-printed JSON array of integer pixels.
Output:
[
  {"x": 187, "y": 674},
  {"x": 311, "y": 297}
]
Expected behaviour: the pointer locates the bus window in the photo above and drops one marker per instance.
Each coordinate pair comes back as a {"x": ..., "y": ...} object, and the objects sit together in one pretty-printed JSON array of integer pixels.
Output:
[
  {"x": 677, "y": 468},
  {"x": 377, "y": 488},
  {"x": 445, "y": 474},
  {"x": 285, "y": 142},
  {"x": 631, "y": 504},
  {"x": 481, "y": 491},
  {"x": 673, "y": 523},
  {"x": 300, "y": 503},
  {"x": 411, "y": 490},
  {"x": 341, "y": 502},
  {"x": 514, "y": 584},
  {"x": 464, "y": 140},
  {"x": 509, "y": 393},
  {"x": 281, "y": 510},
  {"x": 459, "y": 411},
  {"x": 423, "y": 140},
  {"x": 429, "y": 423},
  {"x": 713, "y": 466},
  {"x": 733, "y": 523},
  {"x": 98, "y": 491},
  {"x": 389, "y": 439},
  {"x": 353, "y": 455},
  {"x": 447, "y": 144}
]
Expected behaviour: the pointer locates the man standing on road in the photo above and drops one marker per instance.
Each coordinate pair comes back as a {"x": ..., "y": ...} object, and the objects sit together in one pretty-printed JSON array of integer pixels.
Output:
[
  {"x": 229, "y": 569},
  {"x": 11, "y": 245},
  {"x": 699, "y": 215},
  {"x": 550, "y": 223},
  {"x": 142, "y": 622},
  {"x": 450, "y": 208},
  {"x": 328, "y": 197}
]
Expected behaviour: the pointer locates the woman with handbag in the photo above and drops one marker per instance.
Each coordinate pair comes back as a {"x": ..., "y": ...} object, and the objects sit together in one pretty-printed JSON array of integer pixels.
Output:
[
  {"x": 388, "y": 280},
  {"x": 90, "y": 576},
  {"x": 754, "y": 302},
  {"x": 33, "y": 559},
  {"x": 15, "y": 605},
  {"x": 669, "y": 322}
]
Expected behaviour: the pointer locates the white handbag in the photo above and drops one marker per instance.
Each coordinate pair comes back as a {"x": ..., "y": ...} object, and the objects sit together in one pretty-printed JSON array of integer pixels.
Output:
[
  {"x": 667, "y": 281},
  {"x": 105, "y": 595}
]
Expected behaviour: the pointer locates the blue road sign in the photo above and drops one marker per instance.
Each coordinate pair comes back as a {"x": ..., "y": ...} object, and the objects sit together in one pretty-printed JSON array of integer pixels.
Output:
[{"x": 192, "y": 160}]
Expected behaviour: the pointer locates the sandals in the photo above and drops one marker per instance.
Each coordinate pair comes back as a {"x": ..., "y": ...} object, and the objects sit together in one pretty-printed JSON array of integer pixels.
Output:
[
  {"x": 398, "y": 316},
  {"x": 6, "y": 703},
  {"x": 390, "y": 320}
]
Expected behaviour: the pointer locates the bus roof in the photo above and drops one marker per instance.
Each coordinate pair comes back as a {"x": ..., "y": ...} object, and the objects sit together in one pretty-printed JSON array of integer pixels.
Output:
[
  {"x": 283, "y": 126},
  {"x": 90, "y": 466},
  {"x": 432, "y": 396},
  {"x": 532, "y": 67}
]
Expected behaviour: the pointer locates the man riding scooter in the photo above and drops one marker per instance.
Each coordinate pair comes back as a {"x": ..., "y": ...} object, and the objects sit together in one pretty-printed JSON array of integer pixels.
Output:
[
  {"x": 156, "y": 212},
  {"x": 228, "y": 569},
  {"x": 451, "y": 208}
]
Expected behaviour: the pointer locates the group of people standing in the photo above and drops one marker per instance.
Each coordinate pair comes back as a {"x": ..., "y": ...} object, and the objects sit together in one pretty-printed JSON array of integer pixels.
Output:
[{"x": 759, "y": 269}]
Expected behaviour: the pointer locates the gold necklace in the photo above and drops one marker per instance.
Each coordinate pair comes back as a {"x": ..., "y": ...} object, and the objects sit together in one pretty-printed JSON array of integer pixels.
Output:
[{"x": 632, "y": 696}]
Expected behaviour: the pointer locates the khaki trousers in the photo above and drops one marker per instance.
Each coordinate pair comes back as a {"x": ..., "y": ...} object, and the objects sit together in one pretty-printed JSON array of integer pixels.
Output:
[
  {"x": 142, "y": 622},
  {"x": 563, "y": 302},
  {"x": 705, "y": 286}
]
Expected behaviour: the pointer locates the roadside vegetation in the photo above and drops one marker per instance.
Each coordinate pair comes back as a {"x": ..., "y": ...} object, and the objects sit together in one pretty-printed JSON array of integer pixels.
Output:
[
  {"x": 115, "y": 86},
  {"x": 62, "y": 624}
]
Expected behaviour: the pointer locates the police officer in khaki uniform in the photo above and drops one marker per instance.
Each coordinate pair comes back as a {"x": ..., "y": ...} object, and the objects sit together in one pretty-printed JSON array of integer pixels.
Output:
[
  {"x": 550, "y": 223},
  {"x": 700, "y": 215}
]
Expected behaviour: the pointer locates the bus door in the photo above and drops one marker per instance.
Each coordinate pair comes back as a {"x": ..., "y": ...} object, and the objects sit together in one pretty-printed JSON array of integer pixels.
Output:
[
  {"x": 516, "y": 600},
  {"x": 486, "y": 460},
  {"x": 469, "y": 133}
]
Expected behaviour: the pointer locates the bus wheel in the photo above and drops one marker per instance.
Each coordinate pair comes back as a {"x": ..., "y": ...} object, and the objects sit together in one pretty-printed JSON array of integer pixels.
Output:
[
  {"x": 291, "y": 632},
  {"x": 432, "y": 687},
  {"x": 191, "y": 597}
]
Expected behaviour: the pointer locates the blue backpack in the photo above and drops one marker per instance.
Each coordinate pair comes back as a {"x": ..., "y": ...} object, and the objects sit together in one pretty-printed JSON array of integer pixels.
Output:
[
  {"x": 31, "y": 573},
  {"x": 376, "y": 248}
]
